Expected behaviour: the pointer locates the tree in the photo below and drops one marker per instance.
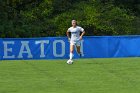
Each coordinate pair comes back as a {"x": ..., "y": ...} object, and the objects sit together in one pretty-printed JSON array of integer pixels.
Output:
[{"x": 40, "y": 18}]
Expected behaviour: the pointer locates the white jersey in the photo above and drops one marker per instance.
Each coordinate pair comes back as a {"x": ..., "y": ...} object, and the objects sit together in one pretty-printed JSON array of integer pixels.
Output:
[{"x": 75, "y": 32}]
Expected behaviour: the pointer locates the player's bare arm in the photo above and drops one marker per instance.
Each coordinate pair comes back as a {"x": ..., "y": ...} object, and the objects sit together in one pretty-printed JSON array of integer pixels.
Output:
[
  {"x": 81, "y": 36},
  {"x": 67, "y": 33}
]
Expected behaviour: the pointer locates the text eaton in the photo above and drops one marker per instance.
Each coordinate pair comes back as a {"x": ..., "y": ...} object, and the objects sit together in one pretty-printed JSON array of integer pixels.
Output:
[{"x": 24, "y": 47}]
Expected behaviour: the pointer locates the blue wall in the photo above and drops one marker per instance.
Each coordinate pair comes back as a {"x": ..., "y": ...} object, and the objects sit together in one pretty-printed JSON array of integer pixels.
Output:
[{"x": 58, "y": 47}]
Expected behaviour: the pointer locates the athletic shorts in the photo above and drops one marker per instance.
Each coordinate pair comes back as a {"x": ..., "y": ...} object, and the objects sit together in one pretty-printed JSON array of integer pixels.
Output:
[{"x": 76, "y": 43}]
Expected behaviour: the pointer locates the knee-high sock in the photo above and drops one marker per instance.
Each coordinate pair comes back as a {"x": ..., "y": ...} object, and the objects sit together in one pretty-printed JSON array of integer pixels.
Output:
[{"x": 71, "y": 55}]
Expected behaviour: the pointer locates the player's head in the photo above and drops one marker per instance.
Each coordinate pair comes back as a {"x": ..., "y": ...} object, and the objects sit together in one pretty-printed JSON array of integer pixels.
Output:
[{"x": 74, "y": 23}]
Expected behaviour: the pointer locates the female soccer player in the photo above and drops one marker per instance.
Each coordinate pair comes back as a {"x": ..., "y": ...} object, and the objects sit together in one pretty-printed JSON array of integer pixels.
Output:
[{"x": 76, "y": 37}]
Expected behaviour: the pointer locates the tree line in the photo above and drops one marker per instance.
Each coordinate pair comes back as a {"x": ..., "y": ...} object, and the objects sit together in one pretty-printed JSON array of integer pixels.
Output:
[{"x": 45, "y": 18}]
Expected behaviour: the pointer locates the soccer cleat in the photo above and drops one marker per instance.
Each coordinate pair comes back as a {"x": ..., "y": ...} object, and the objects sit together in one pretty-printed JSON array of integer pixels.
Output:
[{"x": 70, "y": 61}]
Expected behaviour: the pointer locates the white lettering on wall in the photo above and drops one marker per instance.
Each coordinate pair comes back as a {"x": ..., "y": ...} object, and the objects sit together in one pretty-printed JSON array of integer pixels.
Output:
[
  {"x": 8, "y": 50},
  {"x": 82, "y": 51},
  {"x": 42, "y": 43},
  {"x": 25, "y": 45},
  {"x": 55, "y": 48}
]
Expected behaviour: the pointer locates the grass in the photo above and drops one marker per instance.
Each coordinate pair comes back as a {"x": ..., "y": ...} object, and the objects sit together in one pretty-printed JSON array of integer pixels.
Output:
[{"x": 121, "y": 75}]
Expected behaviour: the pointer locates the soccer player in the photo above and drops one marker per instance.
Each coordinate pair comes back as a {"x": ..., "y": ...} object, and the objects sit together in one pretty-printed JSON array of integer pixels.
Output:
[{"x": 77, "y": 33}]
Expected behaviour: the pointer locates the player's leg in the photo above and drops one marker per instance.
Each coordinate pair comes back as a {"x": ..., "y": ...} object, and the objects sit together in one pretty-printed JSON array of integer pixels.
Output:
[
  {"x": 71, "y": 50},
  {"x": 78, "y": 46},
  {"x": 78, "y": 49}
]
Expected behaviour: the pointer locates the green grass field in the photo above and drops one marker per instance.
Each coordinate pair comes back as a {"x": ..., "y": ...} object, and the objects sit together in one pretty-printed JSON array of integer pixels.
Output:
[{"x": 120, "y": 75}]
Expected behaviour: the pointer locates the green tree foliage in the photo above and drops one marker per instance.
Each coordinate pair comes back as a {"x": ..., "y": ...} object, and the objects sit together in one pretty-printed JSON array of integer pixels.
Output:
[{"x": 41, "y": 18}]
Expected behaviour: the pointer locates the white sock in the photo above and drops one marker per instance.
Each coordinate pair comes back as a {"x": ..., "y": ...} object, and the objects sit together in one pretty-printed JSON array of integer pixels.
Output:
[{"x": 71, "y": 55}]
